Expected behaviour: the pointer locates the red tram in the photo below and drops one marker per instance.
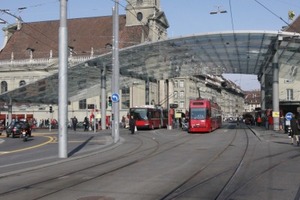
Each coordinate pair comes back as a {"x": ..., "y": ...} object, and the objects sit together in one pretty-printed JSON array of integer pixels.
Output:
[
  {"x": 204, "y": 116},
  {"x": 149, "y": 117}
]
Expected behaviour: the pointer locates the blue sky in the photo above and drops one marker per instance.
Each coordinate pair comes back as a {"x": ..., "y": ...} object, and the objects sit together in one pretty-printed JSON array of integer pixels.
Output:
[{"x": 185, "y": 17}]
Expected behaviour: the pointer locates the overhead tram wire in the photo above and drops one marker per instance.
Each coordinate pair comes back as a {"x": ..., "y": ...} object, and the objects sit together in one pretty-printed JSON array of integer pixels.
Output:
[
  {"x": 30, "y": 26},
  {"x": 234, "y": 36},
  {"x": 265, "y": 7},
  {"x": 273, "y": 13}
]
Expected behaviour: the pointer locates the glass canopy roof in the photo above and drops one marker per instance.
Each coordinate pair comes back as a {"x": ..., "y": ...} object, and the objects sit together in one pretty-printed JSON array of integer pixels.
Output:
[{"x": 242, "y": 52}]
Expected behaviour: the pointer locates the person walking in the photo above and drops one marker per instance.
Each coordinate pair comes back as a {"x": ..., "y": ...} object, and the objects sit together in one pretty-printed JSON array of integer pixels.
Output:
[
  {"x": 74, "y": 123},
  {"x": 295, "y": 130},
  {"x": 132, "y": 124},
  {"x": 86, "y": 124}
]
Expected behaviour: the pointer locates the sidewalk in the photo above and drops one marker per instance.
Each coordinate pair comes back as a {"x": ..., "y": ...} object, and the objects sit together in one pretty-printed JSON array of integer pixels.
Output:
[{"x": 271, "y": 135}]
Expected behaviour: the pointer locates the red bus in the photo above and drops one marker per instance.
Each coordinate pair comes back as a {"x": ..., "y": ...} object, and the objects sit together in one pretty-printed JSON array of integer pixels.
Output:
[
  {"x": 148, "y": 117},
  {"x": 204, "y": 116}
]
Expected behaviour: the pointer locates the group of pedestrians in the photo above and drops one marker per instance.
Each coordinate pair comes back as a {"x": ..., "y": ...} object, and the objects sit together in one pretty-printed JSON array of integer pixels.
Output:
[{"x": 85, "y": 123}]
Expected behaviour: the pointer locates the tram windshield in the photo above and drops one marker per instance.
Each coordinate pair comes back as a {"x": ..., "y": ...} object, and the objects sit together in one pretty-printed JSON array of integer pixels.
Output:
[
  {"x": 140, "y": 114},
  {"x": 198, "y": 113}
]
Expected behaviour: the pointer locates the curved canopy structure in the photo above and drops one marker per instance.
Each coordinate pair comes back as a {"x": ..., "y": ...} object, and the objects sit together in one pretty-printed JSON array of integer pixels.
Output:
[{"x": 242, "y": 52}]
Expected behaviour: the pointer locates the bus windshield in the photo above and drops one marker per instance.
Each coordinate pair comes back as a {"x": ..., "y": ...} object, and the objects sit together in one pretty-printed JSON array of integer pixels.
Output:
[{"x": 198, "y": 113}]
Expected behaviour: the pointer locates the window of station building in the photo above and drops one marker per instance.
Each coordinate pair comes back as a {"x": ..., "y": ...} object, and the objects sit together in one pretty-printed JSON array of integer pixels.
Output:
[
  {"x": 3, "y": 86},
  {"x": 181, "y": 83},
  {"x": 82, "y": 104},
  {"x": 289, "y": 94},
  {"x": 22, "y": 82}
]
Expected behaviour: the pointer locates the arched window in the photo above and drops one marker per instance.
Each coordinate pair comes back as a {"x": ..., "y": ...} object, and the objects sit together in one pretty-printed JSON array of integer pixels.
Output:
[
  {"x": 22, "y": 82},
  {"x": 175, "y": 94},
  {"x": 181, "y": 94},
  {"x": 3, "y": 86}
]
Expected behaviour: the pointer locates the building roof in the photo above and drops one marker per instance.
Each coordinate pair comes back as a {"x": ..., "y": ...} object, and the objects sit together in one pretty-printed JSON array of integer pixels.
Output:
[
  {"x": 294, "y": 26},
  {"x": 86, "y": 36}
]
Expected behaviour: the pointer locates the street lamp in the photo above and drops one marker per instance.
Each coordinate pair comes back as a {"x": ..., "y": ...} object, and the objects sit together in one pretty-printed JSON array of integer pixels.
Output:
[
  {"x": 218, "y": 11},
  {"x": 2, "y": 21},
  {"x": 6, "y": 11}
]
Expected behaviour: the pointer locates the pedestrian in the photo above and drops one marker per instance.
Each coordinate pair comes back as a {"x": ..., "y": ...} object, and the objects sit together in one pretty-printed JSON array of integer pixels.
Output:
[
  {"x": 123, "y": 121},
  {"x": 132, "y": 124},
  {"x": 270, "y": 121},
  {"x": 259, "y": 120},
  {"x": 86, "y": 124},
  {"x": 74, "y": 123},
  {"x": 295, "y": 130}
]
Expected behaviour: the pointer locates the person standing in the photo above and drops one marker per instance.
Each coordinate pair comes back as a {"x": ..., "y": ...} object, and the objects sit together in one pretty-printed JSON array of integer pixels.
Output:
[
  {"x": 259, "y": 120},
  {"x": 74, "y": 123},
  {"x": 270, "y": 121},
  {"x": 295, "y": 130},
  {"x": 132, "y": 124}
]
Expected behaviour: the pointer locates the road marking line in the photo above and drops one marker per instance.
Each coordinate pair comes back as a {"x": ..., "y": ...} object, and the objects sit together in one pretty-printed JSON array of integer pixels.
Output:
[{"x": 32, "y": 147}]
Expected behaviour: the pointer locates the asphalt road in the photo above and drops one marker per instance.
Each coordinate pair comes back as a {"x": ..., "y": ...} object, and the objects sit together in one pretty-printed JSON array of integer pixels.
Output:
[
  {"x": 42, "y": 148},
  {"x": 229, "y": 163}
]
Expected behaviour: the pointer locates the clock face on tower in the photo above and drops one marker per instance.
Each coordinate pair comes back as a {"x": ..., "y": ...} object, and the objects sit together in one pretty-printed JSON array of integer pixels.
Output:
[{"x": 139, "y": 16}]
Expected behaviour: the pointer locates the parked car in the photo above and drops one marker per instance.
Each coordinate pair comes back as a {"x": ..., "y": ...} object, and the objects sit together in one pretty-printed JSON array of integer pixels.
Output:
[{"x": 15, "y": 127}]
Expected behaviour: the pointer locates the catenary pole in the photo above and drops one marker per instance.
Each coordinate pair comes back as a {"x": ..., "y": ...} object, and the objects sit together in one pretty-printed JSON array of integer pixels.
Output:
[
  {"x": 103, "y": 97},
  {"x": 63, "y": 80},
  {"x": 275, "y": 66},
  {"x": 116, "y": 75}
]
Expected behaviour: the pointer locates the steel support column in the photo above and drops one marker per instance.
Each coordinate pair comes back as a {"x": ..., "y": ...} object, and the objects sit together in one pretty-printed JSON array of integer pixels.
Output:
[
  {"x": 103, "y": 98},
  {"x": 116, "y": 73},
  {"x": 63, "y": 82},
  {"x": 263, "y": 90},
  {"x": 276, "y": 89},
  {"x": 147, "y": 91}
]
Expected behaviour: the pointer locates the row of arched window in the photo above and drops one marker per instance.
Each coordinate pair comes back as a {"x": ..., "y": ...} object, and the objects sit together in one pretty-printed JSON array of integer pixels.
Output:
[{"x": 4, "y": 85}]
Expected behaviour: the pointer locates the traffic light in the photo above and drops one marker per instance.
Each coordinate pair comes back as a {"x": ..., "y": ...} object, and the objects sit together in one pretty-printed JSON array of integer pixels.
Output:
[
  {"x": 50, "y": 109},
  {"x": 109, "y": 101}
]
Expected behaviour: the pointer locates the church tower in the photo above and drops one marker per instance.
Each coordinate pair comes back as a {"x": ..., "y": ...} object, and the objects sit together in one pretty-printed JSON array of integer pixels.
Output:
[{"x": 147, "y": 13}]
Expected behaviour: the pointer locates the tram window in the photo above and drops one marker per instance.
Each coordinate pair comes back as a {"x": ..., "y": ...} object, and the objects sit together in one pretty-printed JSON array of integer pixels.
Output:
[{"x": 208, "y": 113}]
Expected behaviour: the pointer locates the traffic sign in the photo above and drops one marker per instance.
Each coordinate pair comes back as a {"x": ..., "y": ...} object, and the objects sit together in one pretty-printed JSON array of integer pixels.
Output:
[
  {"x": 115, "y": 97},
  {"x": 288, "y": 116}
]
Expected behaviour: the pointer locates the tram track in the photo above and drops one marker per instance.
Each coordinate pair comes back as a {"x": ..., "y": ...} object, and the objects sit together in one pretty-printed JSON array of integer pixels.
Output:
[
  {"x": 229, "y": 188},
  {"x": 134, "y": 156},
  {"x": 145, "y": 147},
  {"x": 184, "y": 187}
]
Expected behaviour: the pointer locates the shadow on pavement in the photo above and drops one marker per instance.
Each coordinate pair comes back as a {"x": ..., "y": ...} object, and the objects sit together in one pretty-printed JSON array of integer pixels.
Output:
[{"x": 78, "y": 148}]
